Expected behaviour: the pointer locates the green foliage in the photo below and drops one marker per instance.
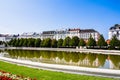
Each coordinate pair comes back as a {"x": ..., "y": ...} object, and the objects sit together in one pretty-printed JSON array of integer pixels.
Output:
[
  {"x": 60, "y": 42},
  {"x": 13, "y": 42},
  {"x": 54, "y": 43},
  {"x": 21, "y": 42},
  {"x": 46, "y": 42},
  {"x": 101, "y": 41},
  {"x": 42, "y": 43},
  {"x": 31, "y": 42},
  {"x": 91, "y": 42},
  {"x": 66, "y": 41},
  {"x": 74, "y": 41},
  {"x": 82, "y": 42},
  {"x": 25, "y": 42},
  {"x": 114, "y": 43},
  {"x": 37, "y": 42},
  {"x": 17, "y": 42}
]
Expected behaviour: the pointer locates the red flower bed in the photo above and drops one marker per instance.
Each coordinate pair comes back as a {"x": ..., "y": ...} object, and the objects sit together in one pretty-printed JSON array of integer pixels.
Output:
[{"x": 8, "y": 76}]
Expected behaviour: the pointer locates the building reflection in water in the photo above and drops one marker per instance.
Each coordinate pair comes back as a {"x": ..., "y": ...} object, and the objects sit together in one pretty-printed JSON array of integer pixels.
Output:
[{"x": 67, "y": 58}]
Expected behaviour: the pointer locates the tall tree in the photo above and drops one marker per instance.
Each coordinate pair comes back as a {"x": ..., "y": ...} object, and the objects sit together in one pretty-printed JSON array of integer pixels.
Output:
[
  {"x": 101, "y": 41},
  {"x": 60, "y": 42},
  {"x": 47, "y": 42},
  {"x": 21, "y": 42},
  {"x": 54, "y": 43},
  {"x": 91, "y": 42},
  {"x": 82, "y": 42},
  {"x": 74, "y": 41},
  {"x": 25, "y": 42},
  {"x": 37, "y": 42},
  {"x": 66, "y": 41},
  {"x": 13, "y": 42},
  {"x": 114, "y": 42},
  {"x": 17, "y": 42}
]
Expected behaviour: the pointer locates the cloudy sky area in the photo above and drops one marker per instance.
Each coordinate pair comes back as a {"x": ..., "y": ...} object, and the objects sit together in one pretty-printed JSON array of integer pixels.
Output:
[{"x": 18, "y": 16}]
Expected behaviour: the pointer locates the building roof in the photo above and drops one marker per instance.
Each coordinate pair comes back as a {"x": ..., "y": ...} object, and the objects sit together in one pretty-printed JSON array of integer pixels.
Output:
[
  {"x": 87, "y": 30},
  {"x": 75, "y": 29},
  {"x": 116, "y": 26},
  {"x": 48, "y": 32}
]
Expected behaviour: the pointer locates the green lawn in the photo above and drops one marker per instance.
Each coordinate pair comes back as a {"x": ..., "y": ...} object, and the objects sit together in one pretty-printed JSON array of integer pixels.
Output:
[{"x": 44, "y": 74}]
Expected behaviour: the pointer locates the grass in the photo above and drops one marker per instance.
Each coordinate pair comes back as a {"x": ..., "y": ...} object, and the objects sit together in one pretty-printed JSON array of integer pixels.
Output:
[{"x": 44, "y": 74}]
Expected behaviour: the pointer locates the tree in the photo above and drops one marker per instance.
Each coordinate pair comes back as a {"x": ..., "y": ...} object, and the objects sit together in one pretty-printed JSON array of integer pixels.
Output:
[
  {"x": 31, "y": 42},
  {"x": 47, "y": 42},
  {"x": 101, "y": 41},
  {"x": 10, "y": 42},
  {"x": 91, "y": 42},
  {"x": 114, "y": 42},
  {"x": 25, "y": 42},
  {"x": 54, "y": 43},
  {"x": 37, "y": 42},
  {"x": 66, "y": 41},
  {"x": 82, "y": 42},
  {"x": 21, "y": 42},
  {"x": 74, "y": 41},
  {"x": 60, "y": 42},
  {"x": 42, "y": 43},
  {"x": 13, "y": 42},
  {"x": 17, "y": 42}
]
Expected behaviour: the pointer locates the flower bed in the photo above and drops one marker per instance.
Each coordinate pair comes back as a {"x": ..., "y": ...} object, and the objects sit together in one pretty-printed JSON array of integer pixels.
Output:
[{"x": 8, "y": 76}]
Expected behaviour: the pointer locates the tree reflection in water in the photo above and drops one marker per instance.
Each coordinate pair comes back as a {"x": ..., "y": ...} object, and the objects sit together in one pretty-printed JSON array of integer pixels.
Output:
[{"x": 72, "y": 58}]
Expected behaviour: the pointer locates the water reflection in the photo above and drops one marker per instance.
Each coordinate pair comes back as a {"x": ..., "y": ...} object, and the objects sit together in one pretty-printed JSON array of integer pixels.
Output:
[{"x": 67, "y": 58}]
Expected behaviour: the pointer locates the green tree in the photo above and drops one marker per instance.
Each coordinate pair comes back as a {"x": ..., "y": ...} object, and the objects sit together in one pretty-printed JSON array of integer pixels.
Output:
[
  {"x": 91, "y": 42},
  {"x": 21, "y": 42},
  {"x": 42, "y": 43},
  {"x": 66, "y": 41},
  {"x": 101, "y": 41},
  {"x": 82, "y": 42},
  {"x": 47, "y": 42},
  {"x": 37, "y": 42},
  {"x": 10, "y": 42},
  {"x": 17, "y": 42},
  {"x": 54, "y": 43},
  {"x": 31, "y": 42},
  {"x": 13, "y": 42},
  {"x": 60, "y": 42},
  {"x": 25, "y": 42},
  {"x": 74, "y": 41},
  {"x": 114, "y": 42}
]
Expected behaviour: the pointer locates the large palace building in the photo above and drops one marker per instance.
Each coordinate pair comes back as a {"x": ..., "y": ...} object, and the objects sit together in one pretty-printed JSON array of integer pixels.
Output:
[
  {"x": 62, "y": 34},
  {"x": 114, "y": 31}
]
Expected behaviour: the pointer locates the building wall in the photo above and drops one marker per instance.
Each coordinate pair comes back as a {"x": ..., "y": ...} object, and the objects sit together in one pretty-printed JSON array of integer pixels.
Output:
[
  {"x": 114, "y": 30},
  {"x": 62, "y": 34}
]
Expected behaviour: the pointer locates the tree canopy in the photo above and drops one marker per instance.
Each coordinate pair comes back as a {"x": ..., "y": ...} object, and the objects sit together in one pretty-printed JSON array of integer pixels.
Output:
[
  {"x": 66, "y": 41},
  {"x": 114, "y": 42},
  {"x": 91, "y": 42},
  {"x": 101, "y": 41},
  {"x": 82, "y": 42},
  {"x": 74, "y": 41}
]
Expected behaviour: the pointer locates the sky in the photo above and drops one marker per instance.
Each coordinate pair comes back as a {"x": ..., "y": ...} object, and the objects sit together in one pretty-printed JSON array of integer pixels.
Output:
[{"x": 18, "y": 16}]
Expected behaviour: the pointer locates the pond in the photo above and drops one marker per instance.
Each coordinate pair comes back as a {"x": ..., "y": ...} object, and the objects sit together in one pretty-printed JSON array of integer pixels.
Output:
[{"x": 66, "y": 58}]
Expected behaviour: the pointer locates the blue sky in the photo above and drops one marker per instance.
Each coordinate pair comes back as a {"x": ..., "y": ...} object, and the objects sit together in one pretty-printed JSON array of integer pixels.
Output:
[{"x": 18, "y": 16}]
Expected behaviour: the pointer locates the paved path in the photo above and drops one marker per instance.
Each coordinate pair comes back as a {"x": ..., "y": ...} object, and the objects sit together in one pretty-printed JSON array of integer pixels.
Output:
[{"x": 66, "y": 68}]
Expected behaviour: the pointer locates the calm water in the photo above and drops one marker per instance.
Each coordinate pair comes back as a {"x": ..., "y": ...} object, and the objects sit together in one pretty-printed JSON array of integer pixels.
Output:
[{"x": 66, "y": 58}]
